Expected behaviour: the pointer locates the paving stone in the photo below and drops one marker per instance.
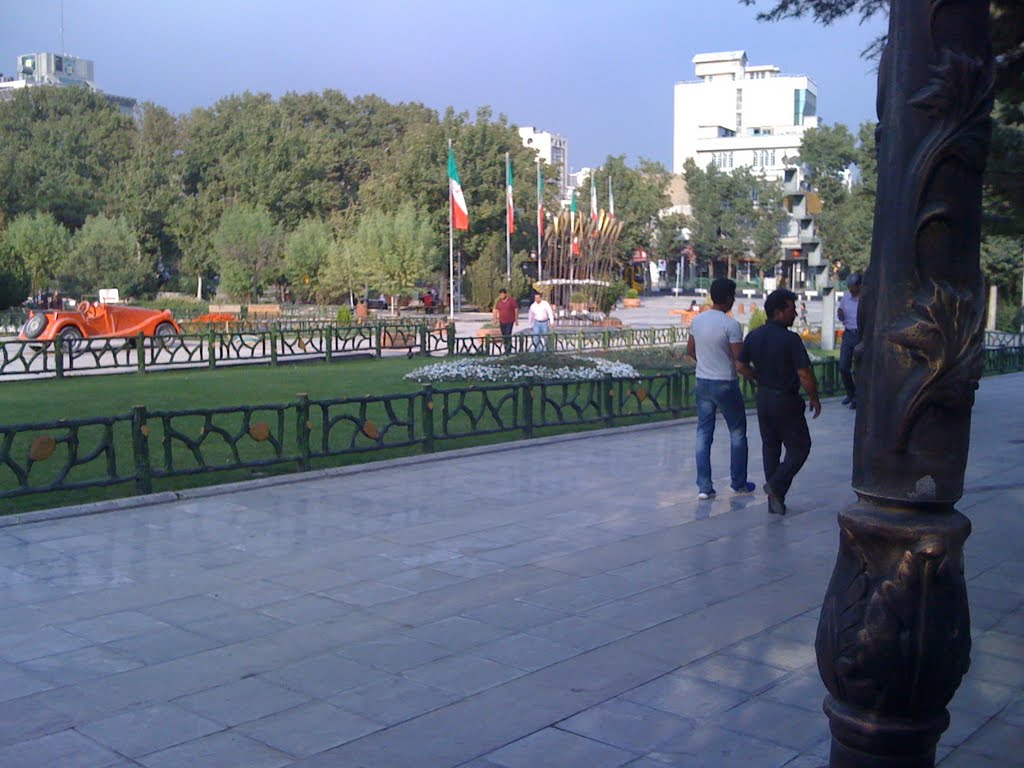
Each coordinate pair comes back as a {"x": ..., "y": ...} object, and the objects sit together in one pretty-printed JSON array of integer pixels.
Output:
[
  {"x": 309, "y": 729},
  {"x": 524, "y": 651},
  {"x": 66, "y": 749},
  {"x": 741, "y": 674},
  {"x": 164, "y": 645},
  {"x": 223, "y": 750},
  {"x": 711, "y": 747},
  {"x": 324, "y": 675},
  {"x": 393, "y": 700},
  {"x": 393, "y": 652},
  {"x": 998, "y": 740},
  {"x": 627, "y": 725},
  {"x": 76, "y": 666},
  {"x": 777, "y": 723},
  {"x": 555, "y": 748},
  {"x": 142, "y": 731},
  {"x": 465, "y": 674},
  {"x": 241, "y": 701},
  {"x": 686, "y": 697},
  {"x": 115, "y": 626}
]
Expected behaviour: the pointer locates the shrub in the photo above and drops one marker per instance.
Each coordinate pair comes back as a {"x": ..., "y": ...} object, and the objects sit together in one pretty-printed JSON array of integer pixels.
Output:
[
  {"x": 632, "y": 293},
  {"x": 344, "y": 316},
  {"x": 578, "y": 297},
  {"x": 609, "y": 296},
  {"x": 757, "y": 319}
]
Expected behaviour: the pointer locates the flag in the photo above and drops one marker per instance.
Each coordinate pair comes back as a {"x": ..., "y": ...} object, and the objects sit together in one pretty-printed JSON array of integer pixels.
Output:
[
  {"x": 611, "y": 200},
  {"x": 459, "y": 211},
  {"x": 540, "y": 202},
  {"x": 572, "y": 225},
  {"x": 593, "y": 198},
  {"x": 508, "y": 196}
]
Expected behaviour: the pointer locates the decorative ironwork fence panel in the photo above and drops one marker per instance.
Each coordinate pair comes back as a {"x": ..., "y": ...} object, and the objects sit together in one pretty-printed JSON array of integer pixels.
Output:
[
  {"x": 570, "y": 402},
  {"x": 483, "y": 410},
  {"x": 64, "y": 455},
  {"x": 19, "y": 357},
  {"x": 644, "y": 396},
  {"x": 361, "y": 424}
]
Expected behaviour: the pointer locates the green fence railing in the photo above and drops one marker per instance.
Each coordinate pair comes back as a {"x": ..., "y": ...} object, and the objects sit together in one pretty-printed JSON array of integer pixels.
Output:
[{"x": 141, "y": 450}]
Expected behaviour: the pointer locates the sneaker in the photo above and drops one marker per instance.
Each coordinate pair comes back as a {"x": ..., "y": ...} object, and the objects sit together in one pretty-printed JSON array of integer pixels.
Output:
[
  {"x": 706, "y": 495},
  {"x": 775, "y": 505},
  {"x": 745, "y": 488},
  {"x": 847, "y": 400},
  {"x": 853, "y": 405}
]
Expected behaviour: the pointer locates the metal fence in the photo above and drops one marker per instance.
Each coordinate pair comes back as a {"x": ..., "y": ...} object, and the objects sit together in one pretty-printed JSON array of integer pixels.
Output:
[
  {"x": 140, "y": 449},
  {"x": 218, "y": 348}
]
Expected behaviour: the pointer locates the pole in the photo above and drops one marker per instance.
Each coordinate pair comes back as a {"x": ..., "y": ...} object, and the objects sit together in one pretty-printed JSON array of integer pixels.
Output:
[
  {"x": 508, "y": 219},
  {"x": 451, "y": 250},
  {"x": 1022, "y": 294},
  {"x": 540, "y": 209}
]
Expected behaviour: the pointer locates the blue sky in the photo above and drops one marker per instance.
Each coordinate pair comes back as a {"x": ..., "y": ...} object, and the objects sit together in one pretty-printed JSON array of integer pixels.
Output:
[{"x": 599, "y": 72}]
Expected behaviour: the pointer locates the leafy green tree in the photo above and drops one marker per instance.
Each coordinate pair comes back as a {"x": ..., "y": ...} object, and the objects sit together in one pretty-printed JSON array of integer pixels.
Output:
[
  {"x": 306, "y": 250},
  {"x": 61, "y": 149},
  {"x": 15, "y": 284},
  {"x": 345, "y": 274},
  {"x": 487, "y": 275},
  {"x": 39, "y": 244},
  {"x": 735, "y": 217},
  {"x": 248, "y": 247},
  {"x": 641, "y": 194},
  {"x": 393, "y": 251},
  {"x": 828, "y": 151},
  {"x": 106, "y": 254}
]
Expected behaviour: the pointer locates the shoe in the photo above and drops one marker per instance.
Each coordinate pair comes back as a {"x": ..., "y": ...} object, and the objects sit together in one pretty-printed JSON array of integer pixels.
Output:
[
  {"x": 706, "y": 495},
  {"x": 853, "y": 405},
  {"x": 775, "y": 504},
  {"x": 847, "y": 400},
  {"x": 745, "y": 488}
]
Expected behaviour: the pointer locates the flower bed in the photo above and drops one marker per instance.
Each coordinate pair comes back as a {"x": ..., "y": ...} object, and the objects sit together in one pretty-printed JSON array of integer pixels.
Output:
[
  {"x": 215, "y": 317},
  {"x": 502, "y": 369}
]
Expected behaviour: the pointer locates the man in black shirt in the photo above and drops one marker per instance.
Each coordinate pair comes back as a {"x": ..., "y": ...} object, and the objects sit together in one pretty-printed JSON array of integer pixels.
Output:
[{"x": 775, "y": 358}]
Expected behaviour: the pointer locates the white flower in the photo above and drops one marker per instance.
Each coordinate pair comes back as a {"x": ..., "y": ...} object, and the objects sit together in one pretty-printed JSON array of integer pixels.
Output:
[{"x": 496, "y": 369}]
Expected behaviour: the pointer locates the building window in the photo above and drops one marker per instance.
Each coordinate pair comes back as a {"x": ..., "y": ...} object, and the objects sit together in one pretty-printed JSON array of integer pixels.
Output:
[
  {"x": 722, "y": 160},
  {"x": 739, "y": 99}
]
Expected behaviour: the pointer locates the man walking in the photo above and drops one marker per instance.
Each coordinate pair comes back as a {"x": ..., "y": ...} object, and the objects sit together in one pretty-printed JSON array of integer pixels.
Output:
[
  {"x": 541, "y": 316},
  {"x": 847, "y": 315},
  {"x": 776, "y": 359},
  {"x": 715, "y": 343},
  {"x": 506, "y": 312}
]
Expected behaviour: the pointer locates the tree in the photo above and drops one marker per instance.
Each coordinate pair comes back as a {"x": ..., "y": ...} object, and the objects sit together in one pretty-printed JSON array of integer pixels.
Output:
[
  {"x": 393, "y": 250},
  {"x": 641, "y": 194},
  {"x": 486, "y": 276},
  {"x": 306, "y": 250},
  {"x": 14, "y": 280},
  {"x": 248, "y": 247},
  {"x": 828, "y": 152},
  {"x": 106, "y": 254},
  {"x": 735, "y": 217},
  {"x": 39, "y": 244}
]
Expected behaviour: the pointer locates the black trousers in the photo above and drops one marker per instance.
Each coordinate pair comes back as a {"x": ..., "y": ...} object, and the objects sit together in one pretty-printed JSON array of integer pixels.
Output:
[
  {"x": 780, "y": 416},
  {"x": 506, "y": 334},
  {"x": 850, "y": 340}
]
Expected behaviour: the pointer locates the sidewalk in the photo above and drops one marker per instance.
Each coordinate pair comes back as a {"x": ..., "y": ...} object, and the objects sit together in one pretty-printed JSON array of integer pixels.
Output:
[{"x": 551, "y": 603}]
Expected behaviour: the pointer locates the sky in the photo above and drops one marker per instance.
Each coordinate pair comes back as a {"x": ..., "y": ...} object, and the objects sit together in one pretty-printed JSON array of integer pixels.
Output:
[{"x": 598, "y": 72}]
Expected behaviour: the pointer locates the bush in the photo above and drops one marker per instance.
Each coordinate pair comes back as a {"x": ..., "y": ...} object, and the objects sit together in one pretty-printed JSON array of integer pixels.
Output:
[
  {"x": 578, "y": 297},
  {"x": 609, "y": 296},
  {"x": 757, "y": 319},
  {"x": 632, "y": 293},
  {"x": 344, "y": 316}
]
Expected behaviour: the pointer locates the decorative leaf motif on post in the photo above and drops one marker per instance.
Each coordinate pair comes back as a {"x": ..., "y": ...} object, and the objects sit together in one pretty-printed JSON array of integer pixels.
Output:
[{"x": 947, "y": 339}]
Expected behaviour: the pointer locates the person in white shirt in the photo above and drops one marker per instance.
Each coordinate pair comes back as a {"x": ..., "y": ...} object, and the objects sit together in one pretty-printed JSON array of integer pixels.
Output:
[
  {"x": 715, "y": 343},
  {"x": 541, "y": 316}
]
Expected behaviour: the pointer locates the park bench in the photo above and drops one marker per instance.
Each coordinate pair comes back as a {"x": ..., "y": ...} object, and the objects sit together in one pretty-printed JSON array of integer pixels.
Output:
[
  {"x": 225, "y": 309},
  {"x": 264, "y": 311}
]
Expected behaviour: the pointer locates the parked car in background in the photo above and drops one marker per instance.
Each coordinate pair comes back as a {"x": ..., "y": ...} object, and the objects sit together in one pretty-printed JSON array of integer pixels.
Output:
[{"x": 91, "y": 320}]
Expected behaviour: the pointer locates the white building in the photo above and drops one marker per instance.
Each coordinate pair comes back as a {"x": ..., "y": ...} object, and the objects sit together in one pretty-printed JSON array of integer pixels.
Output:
[
  {"x": 553, "y": 150},
  {"x": 56, "y": 70},
  {"x": 736, "y": 114}
]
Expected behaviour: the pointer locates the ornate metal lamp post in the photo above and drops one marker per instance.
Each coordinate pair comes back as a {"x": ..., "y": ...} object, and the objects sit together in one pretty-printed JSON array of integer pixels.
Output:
[{"x": 894, "y": 637}]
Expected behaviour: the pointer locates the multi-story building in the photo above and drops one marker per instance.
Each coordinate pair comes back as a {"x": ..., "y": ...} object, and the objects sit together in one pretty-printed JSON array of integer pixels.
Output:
[
  {"x": 553, "y": 150},
  {"x": 803, "y": 263},
  {"x": 736, "y": 114},
  {"x": 60, "y": 71}
]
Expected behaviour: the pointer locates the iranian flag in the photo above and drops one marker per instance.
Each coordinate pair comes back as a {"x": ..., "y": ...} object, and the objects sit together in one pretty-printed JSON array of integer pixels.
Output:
[
  {"x": 540, "y": 202},
  {"x": 611, "y": 200},
  {"x": 508, "y": 196},
  {"x": 593, "y": 198},
  {"x": 572, "y": 225},
  {"x": 459, "y": 211}
]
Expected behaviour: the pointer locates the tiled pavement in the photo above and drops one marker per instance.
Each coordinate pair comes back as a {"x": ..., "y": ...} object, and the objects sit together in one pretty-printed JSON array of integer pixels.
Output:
[{"x": 554, "y": 603}]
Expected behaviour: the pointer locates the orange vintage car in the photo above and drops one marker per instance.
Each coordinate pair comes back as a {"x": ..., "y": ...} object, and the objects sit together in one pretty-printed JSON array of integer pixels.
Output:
[{"x": 90, "y": 320}]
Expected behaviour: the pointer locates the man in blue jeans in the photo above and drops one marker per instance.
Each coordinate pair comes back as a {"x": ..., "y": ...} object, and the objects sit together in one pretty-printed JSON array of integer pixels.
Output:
[{"x": 715, "y": 343}]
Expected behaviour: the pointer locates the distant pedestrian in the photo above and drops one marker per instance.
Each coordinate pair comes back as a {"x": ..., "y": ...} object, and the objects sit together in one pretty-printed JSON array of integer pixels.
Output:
[
  {"x": 775, "y": 358},
  {"x": 847, "y": 314},
  {"x": 541, "y": 316},
  {"x": 506, "y": 312},
  {"x": 803, "y": 314},
  {"x": 715, "y": 343}
]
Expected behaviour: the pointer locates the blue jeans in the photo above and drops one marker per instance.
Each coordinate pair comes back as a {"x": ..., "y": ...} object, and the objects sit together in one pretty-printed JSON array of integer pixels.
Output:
[
  {"x": 725, "y": 396},
  {"x": 540, "y": 335}
]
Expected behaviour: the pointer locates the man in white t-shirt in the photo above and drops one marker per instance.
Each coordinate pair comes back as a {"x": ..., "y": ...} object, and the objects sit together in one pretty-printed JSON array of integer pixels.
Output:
[
  {"x": 715, "y": 343},
  {"x": 541, "y": 316}
]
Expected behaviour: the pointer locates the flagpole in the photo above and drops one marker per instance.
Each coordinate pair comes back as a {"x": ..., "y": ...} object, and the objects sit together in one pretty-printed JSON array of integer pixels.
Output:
[
  {"x": 540, "y": 214},
  {"x": 451, "y": 250},
  {"x": 508, "y": 221}
]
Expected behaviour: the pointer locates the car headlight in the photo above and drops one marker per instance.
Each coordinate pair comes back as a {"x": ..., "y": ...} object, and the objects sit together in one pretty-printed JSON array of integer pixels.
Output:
[{"x": 34, "y": 327}]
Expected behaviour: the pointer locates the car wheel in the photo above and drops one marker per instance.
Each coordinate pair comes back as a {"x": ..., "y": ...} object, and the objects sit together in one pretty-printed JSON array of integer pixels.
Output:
[
  {"x": 168, "y": 336},
  {"x": 70, "y": 336}
]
